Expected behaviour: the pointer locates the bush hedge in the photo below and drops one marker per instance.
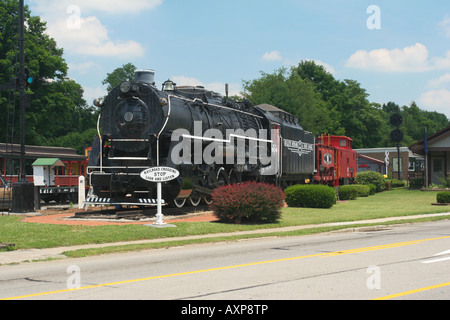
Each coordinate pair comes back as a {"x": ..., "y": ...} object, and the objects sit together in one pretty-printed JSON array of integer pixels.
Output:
[
  {"x": 351, "y": 192},
  {"x": 310, "y": 196},
  {"x": 348, "y": 193},
  {"x": 248, "y": 202},
  {"x": 363, "y": 190},
  {"x": 417, "y": 183},
  {"x": 395, "y": 183},
  {"x": 371, "y": 177},
  {"x": 373, "y": 189},
  {"x": 443, "y": 197}
]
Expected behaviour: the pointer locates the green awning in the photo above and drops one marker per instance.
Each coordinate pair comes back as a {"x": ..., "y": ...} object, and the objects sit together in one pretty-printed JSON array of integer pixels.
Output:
[{"x": 53, "y": 162}]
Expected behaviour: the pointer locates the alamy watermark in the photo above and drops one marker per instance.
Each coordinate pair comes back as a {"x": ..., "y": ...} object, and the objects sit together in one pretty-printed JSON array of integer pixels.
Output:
[
  {"x": 374, "y": 20},
  {"x": 74, "y": 280},
  {"x": 374, "y": 280},
  {"x": 235, "y": 147},
  {"x": 73, "y": 22}
]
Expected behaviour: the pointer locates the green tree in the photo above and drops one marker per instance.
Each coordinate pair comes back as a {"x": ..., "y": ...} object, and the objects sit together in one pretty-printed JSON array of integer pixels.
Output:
[
  {"x": 347, "y": 103},
  {"x": 115, "y": 78},
  {"x": 415, "y": 120},
  {"x": 57, "y": 107},
  {"x": 292, "y": 94}
]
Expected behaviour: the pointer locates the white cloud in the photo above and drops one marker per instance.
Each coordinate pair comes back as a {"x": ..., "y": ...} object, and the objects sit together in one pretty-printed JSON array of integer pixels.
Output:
[
  {"x": 436, "y": 100},
  {"x": 409, "y": 59},
  {"x": 445, "y": 25},
  {"x": 441, "y": 62},
  {"x": 84, "y": 68},
  {"x": 219, "y": 87},
  {"x": 77, "y": 33},
  {"x": 414, "y": 58},
  {"x": 91, "y": 38},
  {"x": 90, "y": 94},
  {"x": 439, "y": 82},
  {"x": 272, "y": 56}
]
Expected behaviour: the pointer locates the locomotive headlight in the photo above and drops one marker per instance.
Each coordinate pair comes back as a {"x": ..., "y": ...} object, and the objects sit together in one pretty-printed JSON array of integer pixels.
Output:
[{"x": 125, "y": 87}]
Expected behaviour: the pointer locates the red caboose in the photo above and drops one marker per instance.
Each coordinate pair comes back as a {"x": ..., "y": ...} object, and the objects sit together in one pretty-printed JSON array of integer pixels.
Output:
[{"x": 336, "y": 161}]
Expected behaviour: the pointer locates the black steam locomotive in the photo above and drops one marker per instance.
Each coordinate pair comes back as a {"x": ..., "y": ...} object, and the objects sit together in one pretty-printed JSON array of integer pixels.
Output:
[{"x": 210, "y": 140}]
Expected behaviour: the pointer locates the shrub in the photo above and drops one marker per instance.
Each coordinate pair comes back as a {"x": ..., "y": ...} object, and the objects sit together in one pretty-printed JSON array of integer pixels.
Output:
[
  {"x": 443, "y": 197},
  {"x": 371, "y": 177},
  {"x": 363, "y": 190},
  {"x": 351, "y": 192},
  {"x": 395, "y": 183},
  {"x": 310, "y": 196},
  {"x": 373, "y": 189},
  {"x": 248, "y": 202},
  {"x": 445, "y": 182},
  {"x": 348, "y": 193},
  {"x": 417, "y": 183}
]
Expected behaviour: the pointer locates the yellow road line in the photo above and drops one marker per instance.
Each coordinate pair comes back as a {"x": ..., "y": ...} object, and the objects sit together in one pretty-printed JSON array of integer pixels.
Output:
[
  {"x": 393, "y": 296},
  {"x": 328, "y": 254}
]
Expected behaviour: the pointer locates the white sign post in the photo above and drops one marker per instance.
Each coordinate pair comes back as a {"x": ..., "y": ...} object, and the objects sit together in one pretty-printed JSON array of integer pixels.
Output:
[
  {"x": 160, "y": 175},
  {"x": 81, "y": 192},
  {"x": 386, "y": 160}
]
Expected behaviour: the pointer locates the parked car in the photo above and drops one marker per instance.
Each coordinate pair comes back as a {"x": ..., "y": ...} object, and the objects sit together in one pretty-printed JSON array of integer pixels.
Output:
[{"x": 5, "y": 194}]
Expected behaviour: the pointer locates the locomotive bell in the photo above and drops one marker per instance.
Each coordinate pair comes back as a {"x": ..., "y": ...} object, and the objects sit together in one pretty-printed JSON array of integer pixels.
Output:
[{"x": 169, "y": 86}]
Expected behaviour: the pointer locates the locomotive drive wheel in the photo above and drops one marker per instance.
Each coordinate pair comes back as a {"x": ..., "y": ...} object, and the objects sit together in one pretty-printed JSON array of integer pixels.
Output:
[
  {"x": 207, "y": 200},
  {"x": 195, "y": 200},
  {"x": 179, "y": 203}
]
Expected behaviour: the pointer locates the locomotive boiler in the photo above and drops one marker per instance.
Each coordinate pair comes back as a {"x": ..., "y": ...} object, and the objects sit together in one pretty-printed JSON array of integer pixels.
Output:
[{"x": 210, "y": 140}]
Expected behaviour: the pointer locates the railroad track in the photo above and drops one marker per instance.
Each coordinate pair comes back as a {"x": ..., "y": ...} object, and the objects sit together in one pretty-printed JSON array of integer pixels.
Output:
[{"x": 139, "y": 213}]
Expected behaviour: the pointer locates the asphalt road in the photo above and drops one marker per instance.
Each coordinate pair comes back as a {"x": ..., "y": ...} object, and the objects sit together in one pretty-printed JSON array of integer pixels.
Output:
[{"x": 399, "y": 262}]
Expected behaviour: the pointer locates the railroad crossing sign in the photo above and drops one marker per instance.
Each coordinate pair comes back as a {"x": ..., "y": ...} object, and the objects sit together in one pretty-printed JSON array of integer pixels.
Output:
[{"x": 160, "y": 175}]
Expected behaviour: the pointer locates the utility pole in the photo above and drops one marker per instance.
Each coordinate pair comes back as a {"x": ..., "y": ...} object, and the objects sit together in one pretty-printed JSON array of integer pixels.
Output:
[
  {"x": 22, "y": 88},
  {"x": 23, "y": 191}
]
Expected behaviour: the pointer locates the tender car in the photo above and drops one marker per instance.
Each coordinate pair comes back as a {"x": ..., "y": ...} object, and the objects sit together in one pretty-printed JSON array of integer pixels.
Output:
[{"x": 5, "y": 194}]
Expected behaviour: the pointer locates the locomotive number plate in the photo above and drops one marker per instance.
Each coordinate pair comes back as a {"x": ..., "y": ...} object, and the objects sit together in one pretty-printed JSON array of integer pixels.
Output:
[{"x": 160, "y": 174}]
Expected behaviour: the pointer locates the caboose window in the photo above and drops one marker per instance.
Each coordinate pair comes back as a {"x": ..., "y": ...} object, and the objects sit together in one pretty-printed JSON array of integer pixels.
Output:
[{"x": 343, "y": 143}]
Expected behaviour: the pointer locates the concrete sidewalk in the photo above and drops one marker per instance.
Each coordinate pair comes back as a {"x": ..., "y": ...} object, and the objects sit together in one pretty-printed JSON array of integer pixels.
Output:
[{"x": 19, "y": 256}]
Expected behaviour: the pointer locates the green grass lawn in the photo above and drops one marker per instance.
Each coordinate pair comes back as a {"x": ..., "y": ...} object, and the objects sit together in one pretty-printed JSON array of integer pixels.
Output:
[{"x": 400, "y": 202}]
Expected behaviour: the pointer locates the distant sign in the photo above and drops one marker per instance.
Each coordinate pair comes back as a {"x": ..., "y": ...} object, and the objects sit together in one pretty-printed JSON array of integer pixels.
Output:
[{"x": 160, "y": 174}]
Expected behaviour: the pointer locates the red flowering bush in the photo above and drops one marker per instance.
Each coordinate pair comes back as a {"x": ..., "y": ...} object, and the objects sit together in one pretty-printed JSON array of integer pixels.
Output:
[{"x": 248, "y": 202}]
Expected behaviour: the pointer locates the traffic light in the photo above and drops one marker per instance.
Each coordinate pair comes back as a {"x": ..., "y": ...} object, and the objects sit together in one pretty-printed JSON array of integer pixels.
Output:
[
  {"x": 396, "y": 121},
  {"x": 397, "y": 135},
  {"x": 28, "y": 78}
]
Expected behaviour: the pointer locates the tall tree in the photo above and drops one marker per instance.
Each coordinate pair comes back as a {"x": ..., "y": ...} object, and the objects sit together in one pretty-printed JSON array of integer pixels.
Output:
[
  {"x": 115, "y": 78},
  {"x": 353, "y": 115},
  {"x": 58, "y": 107},
  {"x": 292, "y": 94}
]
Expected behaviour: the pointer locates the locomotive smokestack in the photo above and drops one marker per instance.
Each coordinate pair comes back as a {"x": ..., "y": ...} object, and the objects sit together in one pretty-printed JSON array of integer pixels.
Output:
[{"x": 146, "y": 76}]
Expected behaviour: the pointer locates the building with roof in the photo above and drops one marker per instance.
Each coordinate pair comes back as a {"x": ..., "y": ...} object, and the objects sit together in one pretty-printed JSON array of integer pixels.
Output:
[
  {"x": 10, "y": 155},
  {"x": 374, "y": 159},
  {"x": 436, "y": 150}
]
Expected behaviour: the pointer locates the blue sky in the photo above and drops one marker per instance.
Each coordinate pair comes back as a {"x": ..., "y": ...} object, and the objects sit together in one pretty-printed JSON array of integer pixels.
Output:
[{"x": 398, "y": 50}]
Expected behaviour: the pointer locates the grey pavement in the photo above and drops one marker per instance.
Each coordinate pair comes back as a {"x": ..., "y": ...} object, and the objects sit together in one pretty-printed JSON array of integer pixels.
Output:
[{"x": 29, "y": 255}]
